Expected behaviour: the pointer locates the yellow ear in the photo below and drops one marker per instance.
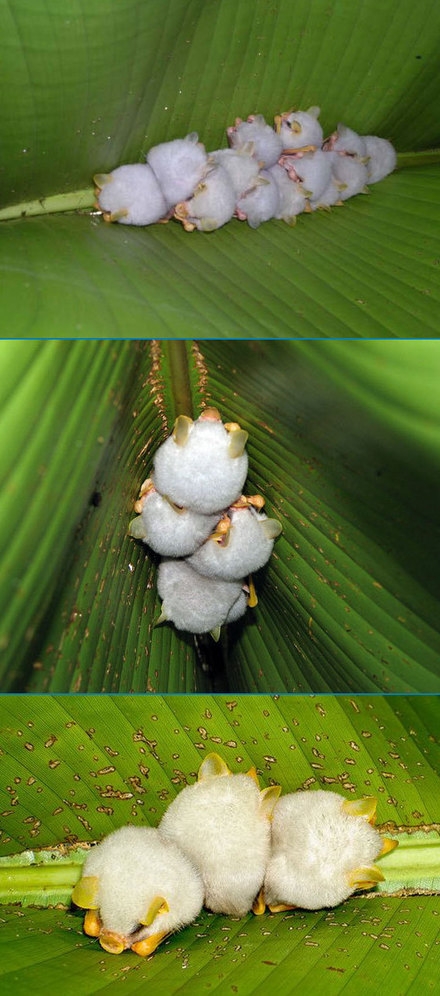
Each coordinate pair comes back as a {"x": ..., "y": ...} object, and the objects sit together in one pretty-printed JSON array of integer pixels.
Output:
[
  {"x": 212, "y": 767},
  {"x": 252, "y": 773},
  {"x": 268, "y": 800},
  {"x": 181, "y": 430},
  {"x": 85, "y": 893},
  {"x": 388, "y": 845},
  {"x": 158, "y": 905},
  {"x": 366, "y": 808},
  {"x": 365, "y": 878},
  {"x": 102, "y": 179},
  {"x": 237, "y": 442}
]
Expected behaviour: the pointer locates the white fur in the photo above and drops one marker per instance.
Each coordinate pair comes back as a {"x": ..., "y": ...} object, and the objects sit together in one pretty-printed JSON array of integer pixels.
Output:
[
  {"x": 134, "y": 189},
  {"x": 291, "y": 195},
  {"x": 221, "y": 827},
  {"x": 241, "y": 167},
  {"x": 201, "y": 474},
  {"x": 382, "y": 157},
  {"x": 300, "y": 128},
  {"x": 261, "y": 203},
  {"x": 351, "y": 176},
  {"x": 212, "y": 204},
  {"x": 133, "y": 866},
  {"x": 315, "y": 847},
  {"x": 267, "y": 144},
  {"x": 246, "y": 548},
  {"x": 179, "y": 166},
  {"x": 313, "y": 170},
  {"x": 345, "y": 140},
  {"x": 170, "y": 531},
  {"x": 194, "y": 603}
]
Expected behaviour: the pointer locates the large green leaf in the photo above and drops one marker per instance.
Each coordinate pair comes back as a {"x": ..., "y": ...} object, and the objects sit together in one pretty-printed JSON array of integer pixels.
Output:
[
  {"x": 75, "y": 767},
  {"x": 90, "y": 85},
  {"x": 343, "y": 445}
]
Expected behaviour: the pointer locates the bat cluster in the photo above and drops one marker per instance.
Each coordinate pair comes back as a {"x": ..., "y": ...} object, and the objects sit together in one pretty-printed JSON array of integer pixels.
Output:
[
  {"x": 232, "y": 847},
  {"x": 267, "y": 172},
  {"x": 210, "y": 536}
]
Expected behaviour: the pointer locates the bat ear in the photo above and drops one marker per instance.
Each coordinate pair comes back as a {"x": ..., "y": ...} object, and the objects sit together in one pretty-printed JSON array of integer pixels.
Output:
[
  {"x": 182, "y": 428},
  {"x": 85, "y": 893},
  {"x": 157, "y": 906},
  {"x": 212, "y": 767},
  {"x": 136, "y": 528},
  {"x": 237, "y": 442},
  {"x": 271, "y": 528},
  {"x": 365, "y": 878},
  {"x": 268, "y": 800},
  {"x": 388, "y": 844},
  {"x": 314, "y": 111},
  {"x": 102, "y": 179},
  {"x": 365, "y": 808}
]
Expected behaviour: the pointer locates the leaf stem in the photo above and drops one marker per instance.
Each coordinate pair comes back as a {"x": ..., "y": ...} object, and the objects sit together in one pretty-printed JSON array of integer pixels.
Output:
[
  {"x": 75, "y": 200},
  {"x": 180, "y": 379}
]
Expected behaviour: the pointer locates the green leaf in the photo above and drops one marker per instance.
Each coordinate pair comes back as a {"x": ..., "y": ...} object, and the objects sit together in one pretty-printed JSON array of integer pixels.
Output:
[
  {"x": 75, "y": 767},
  {"x": 343, "y": 446},
  {"x": 88, "y": 87}
]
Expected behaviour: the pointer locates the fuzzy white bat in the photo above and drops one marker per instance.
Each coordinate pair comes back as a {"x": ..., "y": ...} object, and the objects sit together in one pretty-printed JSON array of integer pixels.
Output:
[
  {"x": 323, "y": 849},
  {"x": 167, "y": 528},
  {"x": 137, "y": 888},
  {"x": 130, "y": 195},
  {"x": 203, "y": 464},
  {"x": 242, "y": 548},
  {"x": 267, "y": 144},
  {"x": 222, "y": 824},
  {"x": 197, "y": 604},
  {"x": 179, "y": 166},
  {"x": 299, "y": 129}
]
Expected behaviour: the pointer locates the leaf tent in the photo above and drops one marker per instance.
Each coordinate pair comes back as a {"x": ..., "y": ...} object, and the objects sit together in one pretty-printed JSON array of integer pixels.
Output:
[
  {"x": 75, "y": 767},
  {"x": 343, "y": 446},
  {"x": 89, "y": 86}
]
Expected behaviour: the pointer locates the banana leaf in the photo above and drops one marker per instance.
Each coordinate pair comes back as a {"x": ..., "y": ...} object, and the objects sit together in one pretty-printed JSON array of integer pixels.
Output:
[
  {"x": 76, "y": 767},
  {"x": 89, "y": 86},
  {"x": 343, "y": 446}
]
